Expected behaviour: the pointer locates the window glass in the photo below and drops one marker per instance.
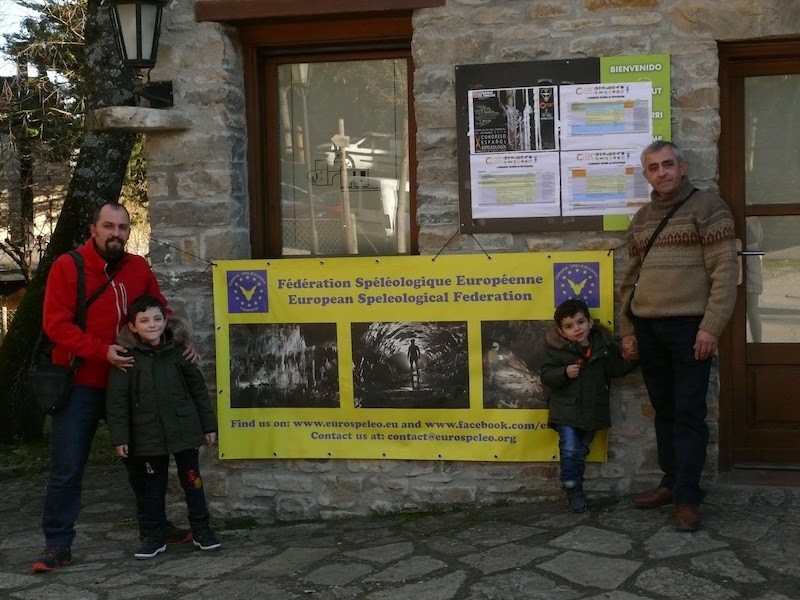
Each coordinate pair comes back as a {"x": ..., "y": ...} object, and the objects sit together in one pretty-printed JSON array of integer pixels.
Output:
[
  {"x": 772, "y": 128},
  {"x": 772, "y": 281},
  {"x": 343, "y": 151}
]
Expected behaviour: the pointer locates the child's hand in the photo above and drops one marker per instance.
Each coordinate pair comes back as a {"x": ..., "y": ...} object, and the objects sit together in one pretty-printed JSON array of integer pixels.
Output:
[
  {"x": 211, "y": 438},
  {"x": 573, "y": 370},
  {"x": 122, "y": 451}
]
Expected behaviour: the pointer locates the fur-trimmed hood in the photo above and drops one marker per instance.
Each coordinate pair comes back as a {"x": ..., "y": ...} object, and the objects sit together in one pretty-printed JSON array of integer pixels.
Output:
[{"x": 176, "y": 333}]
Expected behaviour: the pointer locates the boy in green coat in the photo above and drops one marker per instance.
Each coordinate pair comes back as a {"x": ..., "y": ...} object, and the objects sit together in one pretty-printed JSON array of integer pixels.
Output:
[
  {"x": 580, "y": 359},
  {"x": 158, "y": 407}
]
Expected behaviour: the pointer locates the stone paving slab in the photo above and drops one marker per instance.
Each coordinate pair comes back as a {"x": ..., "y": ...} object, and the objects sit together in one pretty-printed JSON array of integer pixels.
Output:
[{"x": 748, "y": 548}]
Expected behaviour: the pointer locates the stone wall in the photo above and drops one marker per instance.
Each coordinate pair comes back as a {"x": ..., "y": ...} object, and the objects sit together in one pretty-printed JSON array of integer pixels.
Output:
[{"x": 199, "y": 203}]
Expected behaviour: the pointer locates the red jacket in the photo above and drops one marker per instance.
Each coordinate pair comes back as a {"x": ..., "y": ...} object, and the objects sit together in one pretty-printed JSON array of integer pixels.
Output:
[{"x": 105, "y": 316}]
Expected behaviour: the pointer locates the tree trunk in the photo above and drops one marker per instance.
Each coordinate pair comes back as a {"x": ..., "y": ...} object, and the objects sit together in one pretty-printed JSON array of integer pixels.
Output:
[{"x": 97, "y": 177}]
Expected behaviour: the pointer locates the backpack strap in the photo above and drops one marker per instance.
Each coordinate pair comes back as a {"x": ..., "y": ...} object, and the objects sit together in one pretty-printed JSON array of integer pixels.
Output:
[{"x": 80, "y": 306}]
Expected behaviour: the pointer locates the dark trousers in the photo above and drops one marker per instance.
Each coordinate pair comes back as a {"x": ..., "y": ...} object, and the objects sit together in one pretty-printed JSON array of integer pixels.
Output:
[
  {"x": 677, "y": 384},
  {"x": 573, "y": 448},
  {"x": 71, "y": 436},
  {"x": 148, "y": 477}
]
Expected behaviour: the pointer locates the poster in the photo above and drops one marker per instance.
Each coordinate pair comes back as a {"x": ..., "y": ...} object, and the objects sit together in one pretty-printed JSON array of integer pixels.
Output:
[
  {"x": 407, "y": 357},
  {"x": 513, "y": 120},
  {"x": 511, "y": 185},
  {"x": 606, "y": 116},
  {"x": 602, "y": 182}
]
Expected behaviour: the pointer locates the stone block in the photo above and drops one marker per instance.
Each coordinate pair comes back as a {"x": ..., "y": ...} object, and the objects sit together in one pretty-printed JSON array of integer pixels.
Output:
[
  {"x": 698, "y": 99},
  {"x": 517, "y": 52},
  {"x": 225, "y": 245},
  {"x": 611, "y": 44},
  {"x": 577, "y": 24},
  {"x": 465, "y": 48},
  {"x": 548, "y": 10},
  {"x": 496, "y": 16},
  {"x": 595, "y": 5},
  {"x": 449, "y": 495},
  {"x": 538, "y": 243},
  {"x": 341, "y": 492},
  {"x": 437, "y": 111},
  {"x": 296, "y": 508},
  {"x": 637, "y": 20},
  {"x": 200, "y": 182}
]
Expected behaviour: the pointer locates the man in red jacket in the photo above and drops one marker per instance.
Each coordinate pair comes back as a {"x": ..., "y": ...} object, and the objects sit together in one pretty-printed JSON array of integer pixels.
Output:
[{"x": 125, "y": 277}]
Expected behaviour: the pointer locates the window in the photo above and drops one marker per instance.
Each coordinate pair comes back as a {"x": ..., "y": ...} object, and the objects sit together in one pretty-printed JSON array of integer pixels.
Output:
[
  {"x": 331, "y": 137},
  {"x": 343, "y": 155}
]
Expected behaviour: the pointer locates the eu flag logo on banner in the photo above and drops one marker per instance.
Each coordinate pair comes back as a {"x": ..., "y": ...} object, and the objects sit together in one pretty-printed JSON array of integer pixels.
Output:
[
  {"x": 577, "y": 280},
  {"x": 247, "y": 292}
]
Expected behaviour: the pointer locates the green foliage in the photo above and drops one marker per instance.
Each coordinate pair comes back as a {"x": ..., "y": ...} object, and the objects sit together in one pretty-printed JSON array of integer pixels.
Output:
[
  {"x": 43, "y": 111},
  {"x": 134, "y": 187}
]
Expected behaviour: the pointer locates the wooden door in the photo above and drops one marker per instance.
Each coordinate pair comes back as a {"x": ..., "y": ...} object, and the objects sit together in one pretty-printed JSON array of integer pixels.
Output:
[{"x": 760, "y": 178}]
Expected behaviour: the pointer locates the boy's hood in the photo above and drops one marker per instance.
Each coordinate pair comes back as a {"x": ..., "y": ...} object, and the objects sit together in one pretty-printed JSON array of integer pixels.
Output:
[
  {"x": 555, "y": 340},
  {"x": 176, "y": 333}
]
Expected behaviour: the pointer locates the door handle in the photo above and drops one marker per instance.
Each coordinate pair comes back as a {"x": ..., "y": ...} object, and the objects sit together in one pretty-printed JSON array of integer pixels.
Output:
[{"x": 740, "y": 253}]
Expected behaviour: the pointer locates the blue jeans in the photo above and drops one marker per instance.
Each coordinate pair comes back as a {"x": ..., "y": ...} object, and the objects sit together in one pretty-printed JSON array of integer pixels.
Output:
[
  {"x": 148, "y": 477},
  {"x": 573, "y": 448},
  {"x": 677, "y": 384},
  {"x": 73, "y": 430}
]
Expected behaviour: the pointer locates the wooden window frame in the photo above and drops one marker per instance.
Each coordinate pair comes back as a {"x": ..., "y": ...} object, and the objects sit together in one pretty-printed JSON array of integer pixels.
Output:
[{"x": 288, "y": 27}]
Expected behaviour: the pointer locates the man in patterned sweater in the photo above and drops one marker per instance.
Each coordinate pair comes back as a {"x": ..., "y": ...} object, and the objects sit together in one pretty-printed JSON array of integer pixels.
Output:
[{"x": 676, "y": 300}]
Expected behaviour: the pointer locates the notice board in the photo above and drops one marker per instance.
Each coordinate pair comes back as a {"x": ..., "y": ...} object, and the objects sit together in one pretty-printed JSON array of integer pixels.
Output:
[{"x": 555, "y": 145}]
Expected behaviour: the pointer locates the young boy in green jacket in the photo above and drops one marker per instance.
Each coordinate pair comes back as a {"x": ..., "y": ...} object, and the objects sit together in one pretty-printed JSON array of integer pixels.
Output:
[
  {"x": 158, "y": 407},
  {"x": 580, "y": 359}
]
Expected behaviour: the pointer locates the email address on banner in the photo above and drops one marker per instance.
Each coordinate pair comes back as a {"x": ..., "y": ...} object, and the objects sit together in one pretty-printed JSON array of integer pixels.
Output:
[{"x": 430, "y": 436}]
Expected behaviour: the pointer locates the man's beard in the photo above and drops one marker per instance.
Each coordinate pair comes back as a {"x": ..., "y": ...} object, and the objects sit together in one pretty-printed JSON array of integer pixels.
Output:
[{"x": 112, "y": 252}]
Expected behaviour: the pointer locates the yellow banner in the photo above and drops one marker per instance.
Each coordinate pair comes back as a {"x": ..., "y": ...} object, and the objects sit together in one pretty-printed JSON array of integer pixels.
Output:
[{"x": 407, "y": 357}]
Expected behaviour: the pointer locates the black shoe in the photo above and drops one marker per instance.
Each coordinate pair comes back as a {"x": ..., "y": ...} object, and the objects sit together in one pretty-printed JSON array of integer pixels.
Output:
[
  {"x": 576, "y": 498},
  {"x": 52, "y": 557},
  {"x": 151, "y": 547},
  {"x": 205, "y": 539},
  {"x": 172, "y": 534}
]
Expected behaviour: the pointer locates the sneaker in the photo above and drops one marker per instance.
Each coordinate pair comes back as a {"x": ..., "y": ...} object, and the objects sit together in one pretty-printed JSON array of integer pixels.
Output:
[
  {"x": 576, "y": 498},
  {"x": 52, "y": 557},
  {"x": 205, "y": 539},
  {"x": 173, "y": 535},
  {"x": 151, "y": 547}
]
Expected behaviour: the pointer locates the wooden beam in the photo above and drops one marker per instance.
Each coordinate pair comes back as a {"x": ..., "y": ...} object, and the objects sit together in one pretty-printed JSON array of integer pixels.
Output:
[{"x": 239, "y": 11}]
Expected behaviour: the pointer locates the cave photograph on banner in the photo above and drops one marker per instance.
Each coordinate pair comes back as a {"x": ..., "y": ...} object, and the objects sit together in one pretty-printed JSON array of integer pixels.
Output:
[
  {"x": 513, "y": 352},
  {"x": 410, "y": 365},
  {"x": 284, "y": 366}
]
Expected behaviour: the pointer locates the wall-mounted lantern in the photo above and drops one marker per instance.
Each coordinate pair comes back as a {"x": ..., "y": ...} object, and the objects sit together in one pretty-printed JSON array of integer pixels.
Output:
[{"x": 137, "y": 24}]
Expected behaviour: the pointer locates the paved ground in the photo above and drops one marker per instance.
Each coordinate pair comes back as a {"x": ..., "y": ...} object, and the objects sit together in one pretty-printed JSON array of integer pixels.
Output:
[{"x": 749, "y": 548}]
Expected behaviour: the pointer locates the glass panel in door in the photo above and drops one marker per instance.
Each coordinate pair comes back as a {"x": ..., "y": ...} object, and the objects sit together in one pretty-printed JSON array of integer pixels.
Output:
[
  {"x": 772, "y": 281},
  {"x": 344, "y": 157},
  {"x": 771, "y": 134}
]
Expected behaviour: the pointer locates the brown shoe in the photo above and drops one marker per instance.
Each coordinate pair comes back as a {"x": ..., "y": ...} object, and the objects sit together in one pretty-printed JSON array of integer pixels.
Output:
[
  {"x": 660, "y": 496},
  {"x": 687, "y": 517}
]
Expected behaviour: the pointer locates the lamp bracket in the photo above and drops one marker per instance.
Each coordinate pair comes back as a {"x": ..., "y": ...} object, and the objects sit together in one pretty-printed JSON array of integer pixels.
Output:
[{"x": 153, "y": 94}]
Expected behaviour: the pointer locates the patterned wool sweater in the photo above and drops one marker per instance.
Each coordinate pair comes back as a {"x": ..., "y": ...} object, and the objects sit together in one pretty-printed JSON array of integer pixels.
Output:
[{"x": 691, "y": 269}]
